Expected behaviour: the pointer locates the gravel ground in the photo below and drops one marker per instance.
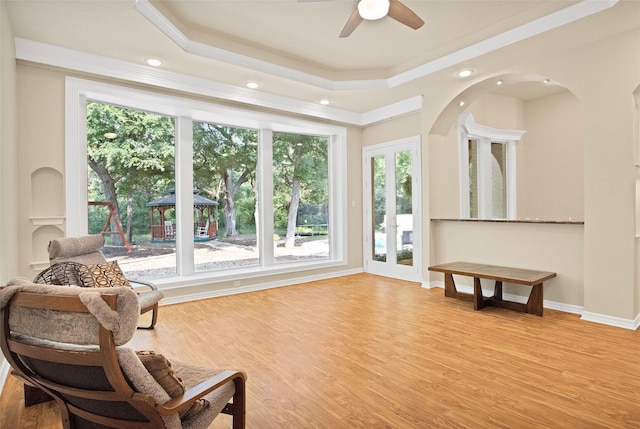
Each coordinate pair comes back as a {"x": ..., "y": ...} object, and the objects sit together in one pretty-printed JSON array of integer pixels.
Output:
[{"x": 155, "y": 260}]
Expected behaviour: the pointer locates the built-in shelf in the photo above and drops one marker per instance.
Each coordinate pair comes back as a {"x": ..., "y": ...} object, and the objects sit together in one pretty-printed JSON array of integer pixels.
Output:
[
  {"x": 47, "y": 220},
  {"x": 559, "y": 222},
  {"x": 40, "y": 265}
]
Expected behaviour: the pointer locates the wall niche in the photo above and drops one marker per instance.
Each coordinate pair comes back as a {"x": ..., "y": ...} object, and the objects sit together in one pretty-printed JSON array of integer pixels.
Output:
[
  {"x": 40, "y": 239},
  {"x": 47, "y": 197}
]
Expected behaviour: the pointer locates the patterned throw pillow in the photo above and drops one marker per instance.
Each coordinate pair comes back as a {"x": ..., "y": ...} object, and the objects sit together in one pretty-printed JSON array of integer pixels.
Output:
[
  {"x": 108, "y": 275},
  {"x": 160, "y": 368}
]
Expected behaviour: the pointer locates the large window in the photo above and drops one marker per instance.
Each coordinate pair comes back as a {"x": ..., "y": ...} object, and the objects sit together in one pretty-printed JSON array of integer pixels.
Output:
[
  {"x": 224, "y": 175},
  {"x": 300, "y": 197},
  {"x": 202, "y": 191},
  {"x": 487, "y": 170}
]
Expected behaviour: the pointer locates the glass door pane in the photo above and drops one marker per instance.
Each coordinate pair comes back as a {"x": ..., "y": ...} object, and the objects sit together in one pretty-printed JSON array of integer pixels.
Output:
[
  {"x": 378, "y": 208},
  {"x": 404, "y": 208}
]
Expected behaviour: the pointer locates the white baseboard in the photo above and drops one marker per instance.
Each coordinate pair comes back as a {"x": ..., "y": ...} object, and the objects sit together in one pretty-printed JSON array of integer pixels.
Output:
[
  {"x": 553, "y": 305},
  {"x": 611, "y": 320},
  {"x": 253, "y": 288}
]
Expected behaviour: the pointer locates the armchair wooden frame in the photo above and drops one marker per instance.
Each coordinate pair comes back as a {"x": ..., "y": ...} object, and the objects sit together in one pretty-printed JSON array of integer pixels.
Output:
[{"x": 81, "y": 403}]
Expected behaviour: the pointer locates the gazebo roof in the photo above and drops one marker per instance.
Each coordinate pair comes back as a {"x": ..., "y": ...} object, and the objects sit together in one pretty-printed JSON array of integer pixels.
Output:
[{"x": 170, "y": 200}]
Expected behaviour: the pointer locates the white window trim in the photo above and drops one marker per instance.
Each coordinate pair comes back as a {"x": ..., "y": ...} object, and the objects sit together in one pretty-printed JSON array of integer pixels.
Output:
[
  {"x": 185, "y": 110},
  {"x": 468, "y": 129}
]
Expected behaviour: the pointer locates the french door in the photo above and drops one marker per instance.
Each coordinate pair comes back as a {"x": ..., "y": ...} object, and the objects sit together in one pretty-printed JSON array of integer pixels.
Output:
[{"x": 392, "y": 221}]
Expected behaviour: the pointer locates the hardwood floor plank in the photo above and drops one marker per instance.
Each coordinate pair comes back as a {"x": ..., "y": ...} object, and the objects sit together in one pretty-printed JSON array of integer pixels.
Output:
[{"x": 370, "y": 352}]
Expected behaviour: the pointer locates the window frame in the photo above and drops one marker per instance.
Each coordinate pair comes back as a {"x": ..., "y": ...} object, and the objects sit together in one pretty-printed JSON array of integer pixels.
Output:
[
  {"x": 468, "y": 129},
  {"x": 185, "y": 111}
]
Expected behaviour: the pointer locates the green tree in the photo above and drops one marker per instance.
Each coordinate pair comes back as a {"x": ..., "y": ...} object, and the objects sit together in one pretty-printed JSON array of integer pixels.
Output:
[
  {"x": 129, "y": 151},
  {"x": 224, "y": 160},
  {"x": 300, "y": 173}
]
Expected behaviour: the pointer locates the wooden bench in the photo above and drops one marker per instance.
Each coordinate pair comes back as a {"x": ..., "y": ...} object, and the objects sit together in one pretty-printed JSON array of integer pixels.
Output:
[{"x": 531, "y": 278}]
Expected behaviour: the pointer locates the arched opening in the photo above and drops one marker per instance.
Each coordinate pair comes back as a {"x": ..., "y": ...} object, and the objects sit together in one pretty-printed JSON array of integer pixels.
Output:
[{"x": 549, "y": 183}]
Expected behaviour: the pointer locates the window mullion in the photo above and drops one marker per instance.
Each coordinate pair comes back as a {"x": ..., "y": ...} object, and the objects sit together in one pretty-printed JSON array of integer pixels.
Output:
[
  {"x": 184, "y": 196},
  {"x": 264, "y": 209}
]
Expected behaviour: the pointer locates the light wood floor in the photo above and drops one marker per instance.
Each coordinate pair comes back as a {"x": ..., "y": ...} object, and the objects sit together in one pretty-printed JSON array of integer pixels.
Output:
[{"x": 370, "y": 352}]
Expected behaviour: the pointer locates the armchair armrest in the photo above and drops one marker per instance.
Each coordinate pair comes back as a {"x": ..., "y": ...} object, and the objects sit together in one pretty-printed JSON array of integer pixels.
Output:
[
  {"x": 184, "y": 401},
  {"x": 138, "y": 284}
]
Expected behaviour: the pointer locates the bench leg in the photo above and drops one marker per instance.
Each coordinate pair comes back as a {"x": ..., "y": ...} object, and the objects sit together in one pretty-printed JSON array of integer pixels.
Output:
[
  {"x": 450, "y": 290},
  {"x": 536, "y": 300},
  {"x": 478, "y": 298},
  {"x": 497, "y": 291},
  {"x": 449, "y": 286}
]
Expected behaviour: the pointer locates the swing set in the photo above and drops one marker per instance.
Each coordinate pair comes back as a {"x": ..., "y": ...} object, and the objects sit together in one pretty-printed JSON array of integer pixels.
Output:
[{"x": 111, "y": 216}]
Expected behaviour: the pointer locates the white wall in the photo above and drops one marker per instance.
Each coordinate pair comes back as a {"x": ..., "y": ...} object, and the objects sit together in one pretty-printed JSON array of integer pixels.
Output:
[
  {"x": 551, "y": 158},
  {"x": 538, "y": 246},
  {"x": 8, "y": 157}
]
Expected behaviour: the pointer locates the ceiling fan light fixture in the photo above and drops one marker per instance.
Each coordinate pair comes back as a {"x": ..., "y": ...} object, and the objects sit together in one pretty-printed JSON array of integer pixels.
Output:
[{"x": 373, "y": 9}]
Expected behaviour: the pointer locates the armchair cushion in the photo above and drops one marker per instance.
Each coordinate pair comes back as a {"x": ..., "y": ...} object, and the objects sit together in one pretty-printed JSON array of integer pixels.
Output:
[
  {"x": 194, "y": 374},
  {"x": 74, "y": 329},
  {"x": 149, "y": 298},
  {"x": 65, "y": 248}
]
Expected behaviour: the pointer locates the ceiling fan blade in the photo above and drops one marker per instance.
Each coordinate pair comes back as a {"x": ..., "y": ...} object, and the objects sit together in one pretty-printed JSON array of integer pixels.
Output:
[
  {"x": 403, "y": 14},
  {"x": 354, "y": 20}
]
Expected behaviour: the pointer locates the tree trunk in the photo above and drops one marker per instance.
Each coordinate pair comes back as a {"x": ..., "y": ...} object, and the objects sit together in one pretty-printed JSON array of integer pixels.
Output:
[
  {"x": 109, "y": 187},
  {"x": 129, "y": 231},
  {"x": 292, "y": 217},
  {"x": 229, "y": 207}
]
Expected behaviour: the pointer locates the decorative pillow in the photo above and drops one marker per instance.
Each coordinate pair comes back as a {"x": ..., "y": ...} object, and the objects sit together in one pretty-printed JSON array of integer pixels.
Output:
[
  {"x": 160, "y": 368},
  {"x": 108, "y": 274},
  {"x": 83, "y": 276}
]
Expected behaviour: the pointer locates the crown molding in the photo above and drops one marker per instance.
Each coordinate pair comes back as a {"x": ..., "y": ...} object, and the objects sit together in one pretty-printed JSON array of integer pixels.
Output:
[
  {"x": 55, "y": 56},
  {"x": 554, "y": 20}
]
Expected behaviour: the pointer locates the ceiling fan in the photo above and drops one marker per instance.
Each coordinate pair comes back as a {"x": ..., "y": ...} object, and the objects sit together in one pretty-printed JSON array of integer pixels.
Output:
[{"x": 376, "y": 9}]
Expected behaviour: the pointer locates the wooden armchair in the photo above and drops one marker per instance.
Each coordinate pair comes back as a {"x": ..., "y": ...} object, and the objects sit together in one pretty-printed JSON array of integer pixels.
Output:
[
  {"x": 80, "y": 261},
  {"x": 68, "y": 341}
]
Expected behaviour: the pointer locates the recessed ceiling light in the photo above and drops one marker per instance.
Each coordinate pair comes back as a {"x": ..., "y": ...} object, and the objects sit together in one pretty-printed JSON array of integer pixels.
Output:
[
  {"x": 461, "y": 103},
  {"x": 465, "y": 73},
  {"x": 546, "y": 80},
  {"x": 499, "y": 82},
  {"x": 252, "y": 85},
  {"x": 324, "y": 102},
  {"x": 155, "y": 62},
  {"x": 110, "y": 136}
]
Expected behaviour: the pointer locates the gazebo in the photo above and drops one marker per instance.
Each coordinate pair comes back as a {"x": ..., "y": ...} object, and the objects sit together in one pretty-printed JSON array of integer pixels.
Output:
[{"x": 205, "y": 226}]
